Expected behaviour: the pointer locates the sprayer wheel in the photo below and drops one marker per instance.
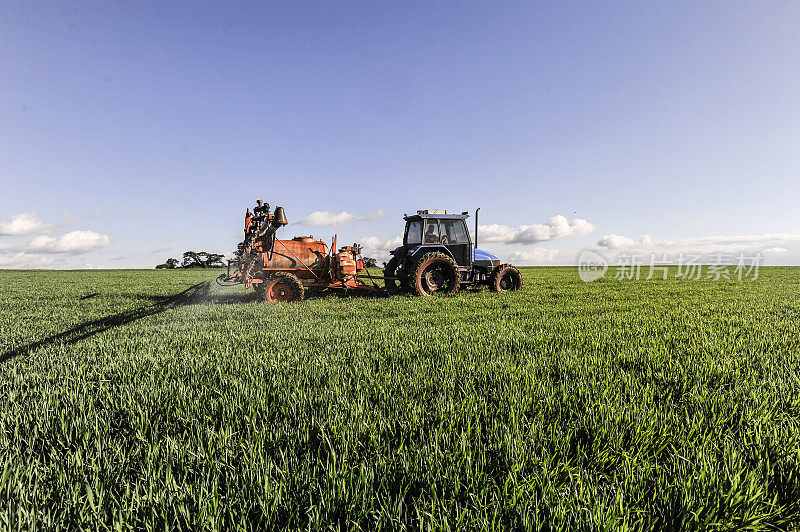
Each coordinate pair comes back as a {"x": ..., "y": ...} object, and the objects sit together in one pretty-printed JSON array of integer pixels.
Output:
[{"x": 283, "y": 287}]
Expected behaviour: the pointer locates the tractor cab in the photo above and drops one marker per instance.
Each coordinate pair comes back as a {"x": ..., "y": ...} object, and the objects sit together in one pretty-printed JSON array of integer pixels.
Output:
[{"x": 437, "y": 229}]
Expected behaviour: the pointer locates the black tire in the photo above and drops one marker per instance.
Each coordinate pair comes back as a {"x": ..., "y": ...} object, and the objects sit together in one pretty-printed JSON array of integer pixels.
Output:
[
  {"x": 393, "y": 269},
  {"x": 435, "y": 273},
  {"x": 283, "y": 287},
  {"x": 505, "y": 278},
  {"x": 258, "y": 288}
]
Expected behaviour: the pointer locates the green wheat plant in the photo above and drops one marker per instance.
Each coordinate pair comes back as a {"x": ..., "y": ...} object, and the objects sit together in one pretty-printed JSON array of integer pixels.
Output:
[{"x": 144, "y": 400}]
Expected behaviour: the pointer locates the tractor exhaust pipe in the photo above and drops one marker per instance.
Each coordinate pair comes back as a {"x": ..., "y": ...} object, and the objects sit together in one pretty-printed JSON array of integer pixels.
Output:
[{"x": 476, "y": 226}]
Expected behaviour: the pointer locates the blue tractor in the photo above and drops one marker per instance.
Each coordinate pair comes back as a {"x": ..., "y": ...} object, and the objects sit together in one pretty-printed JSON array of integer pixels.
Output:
[{"x": 438, "y": 256}]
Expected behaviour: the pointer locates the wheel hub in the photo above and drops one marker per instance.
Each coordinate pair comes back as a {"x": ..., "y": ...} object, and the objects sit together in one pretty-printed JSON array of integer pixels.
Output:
[
  {"x": 435, "y": 279},
  {"x": 280, "y": 292}
]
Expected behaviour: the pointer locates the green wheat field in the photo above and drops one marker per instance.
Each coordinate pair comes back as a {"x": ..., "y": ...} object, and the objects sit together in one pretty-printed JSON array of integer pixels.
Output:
[{"x": 159, "y": 400}]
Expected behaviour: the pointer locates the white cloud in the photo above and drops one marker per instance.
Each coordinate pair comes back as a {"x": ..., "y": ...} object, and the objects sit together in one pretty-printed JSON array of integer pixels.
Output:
[
  {"x": 556, "y": 227},
  {"x": 771, "y": 243},
  {"x": 537, "y": 255},
  {"x": 73, "y": 242},
  {"x": 373, "y": 242},
  {"x": 22, "y": 259},
  {"x": 327, "y": 218},
  {"x": 495, "y": 233},
  {"x": 23, "y": 224},
  {"x": 704, "y": 244},
  {"x": 379, "y": 249},
  {"x": 622, "y": 242}
]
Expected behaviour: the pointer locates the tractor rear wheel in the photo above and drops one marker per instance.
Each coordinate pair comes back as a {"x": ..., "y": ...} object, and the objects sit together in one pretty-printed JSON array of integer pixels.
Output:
[
  {"x": 436, "y": 273},
  {"x": 283, "y": 287},
  {"x": 392, "y": 269},
  {"x": 505, "y": 278}
]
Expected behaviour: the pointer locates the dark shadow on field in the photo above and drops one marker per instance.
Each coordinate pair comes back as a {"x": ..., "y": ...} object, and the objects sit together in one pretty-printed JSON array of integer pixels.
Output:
[
  {"x": 342, "y": 294},
  {"x": 195, "y": 293}
]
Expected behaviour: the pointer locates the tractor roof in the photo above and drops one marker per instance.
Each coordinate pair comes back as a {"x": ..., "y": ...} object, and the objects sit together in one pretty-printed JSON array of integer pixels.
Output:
[{"x": 421, "y": 215}]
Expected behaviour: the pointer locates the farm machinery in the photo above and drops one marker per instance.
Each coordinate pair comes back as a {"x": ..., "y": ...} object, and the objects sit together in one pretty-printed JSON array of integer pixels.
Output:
[{"x": 437, "y": 257}]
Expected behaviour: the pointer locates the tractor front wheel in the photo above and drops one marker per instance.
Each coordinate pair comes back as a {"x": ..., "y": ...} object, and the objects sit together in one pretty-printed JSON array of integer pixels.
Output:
[
  {"x": 283, "y": 287},
  {"x": 436, "y": 273},
  {"x": 505, "y": 278}
]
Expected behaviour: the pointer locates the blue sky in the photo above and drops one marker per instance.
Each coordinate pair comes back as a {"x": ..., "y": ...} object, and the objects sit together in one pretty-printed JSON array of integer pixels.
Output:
[{"x": 133, "y": 132}]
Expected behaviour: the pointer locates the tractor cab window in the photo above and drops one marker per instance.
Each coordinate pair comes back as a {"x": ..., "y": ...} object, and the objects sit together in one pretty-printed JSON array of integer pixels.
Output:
[
  {"x": 432, "y": 232},
  {"x": 453, "y": 232},
  {"x": 414, "y": 233}
]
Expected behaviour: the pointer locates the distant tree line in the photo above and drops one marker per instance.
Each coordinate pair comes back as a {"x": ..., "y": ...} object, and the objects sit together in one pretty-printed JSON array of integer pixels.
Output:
[{"x": 194, "y": 259}]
